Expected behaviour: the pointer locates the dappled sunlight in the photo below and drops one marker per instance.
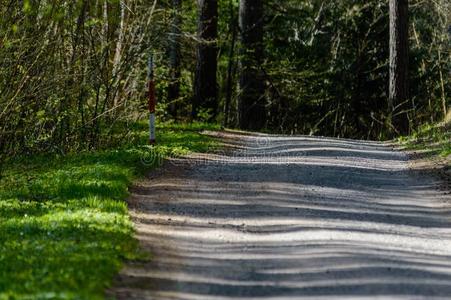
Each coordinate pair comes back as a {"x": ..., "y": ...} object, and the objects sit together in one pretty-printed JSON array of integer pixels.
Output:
[{"x": 313, "y": 220}]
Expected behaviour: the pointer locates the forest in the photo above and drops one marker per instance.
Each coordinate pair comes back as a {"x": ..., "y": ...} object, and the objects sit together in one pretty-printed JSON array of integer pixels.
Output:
[
  {"x": 73, "y": 73},
  {"x": 331, "y": 85}
]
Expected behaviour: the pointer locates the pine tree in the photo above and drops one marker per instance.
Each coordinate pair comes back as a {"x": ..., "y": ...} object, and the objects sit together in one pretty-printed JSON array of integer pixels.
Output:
[
  {"x": 252, "y": 113},
  {"x": 399, "y": 61},
  {"x": 205, "y": 86}
]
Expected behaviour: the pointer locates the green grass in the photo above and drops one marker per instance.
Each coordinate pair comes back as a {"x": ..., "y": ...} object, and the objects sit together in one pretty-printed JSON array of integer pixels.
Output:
[
  {"x": 64, "y": 225},
  {"x": 432, "y": 139}
]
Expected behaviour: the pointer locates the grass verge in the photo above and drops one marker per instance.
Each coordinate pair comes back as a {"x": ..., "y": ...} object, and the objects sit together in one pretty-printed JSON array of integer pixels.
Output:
[
  {"x": 64, "y": 224},
  {"x": 430, "y": 140}
]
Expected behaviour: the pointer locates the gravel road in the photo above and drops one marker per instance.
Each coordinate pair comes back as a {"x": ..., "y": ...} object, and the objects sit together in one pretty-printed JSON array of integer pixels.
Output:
[{"x": 290, "y": 218}]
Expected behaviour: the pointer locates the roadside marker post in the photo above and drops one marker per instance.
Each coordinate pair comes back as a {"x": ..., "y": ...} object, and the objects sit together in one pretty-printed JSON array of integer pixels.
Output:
[{"x": 152, "y": 101}]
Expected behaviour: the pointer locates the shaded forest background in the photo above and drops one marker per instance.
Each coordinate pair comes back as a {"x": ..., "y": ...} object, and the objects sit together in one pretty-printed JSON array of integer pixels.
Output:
[{"x": 73, "y": 73}]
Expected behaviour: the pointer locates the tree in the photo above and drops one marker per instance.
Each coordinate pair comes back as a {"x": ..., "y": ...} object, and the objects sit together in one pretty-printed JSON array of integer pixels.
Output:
[
  {"x": 174, "y": 58},
  {"x": 251, "y": 107},
  {"x": 65, "y": 90},
  {"x": 231, "y": 63},
  {"x": 205, "y": 85},
  {"x": 399, "y": 61}
]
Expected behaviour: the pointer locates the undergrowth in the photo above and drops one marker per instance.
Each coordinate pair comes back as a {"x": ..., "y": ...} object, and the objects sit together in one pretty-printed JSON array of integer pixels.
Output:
[{"x": 432, "y": 139}]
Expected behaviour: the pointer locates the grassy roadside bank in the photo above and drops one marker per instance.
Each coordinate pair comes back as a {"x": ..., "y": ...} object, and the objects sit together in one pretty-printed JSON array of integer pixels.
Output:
[
  {"x": 430, "y": 150},
  {"x": 64, "y": 225},
  {"x": 430, "y": 140}
]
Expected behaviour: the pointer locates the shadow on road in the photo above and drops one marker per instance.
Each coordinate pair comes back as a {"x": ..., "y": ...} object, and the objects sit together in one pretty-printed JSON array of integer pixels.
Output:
[{"x": 291, "y": 218}]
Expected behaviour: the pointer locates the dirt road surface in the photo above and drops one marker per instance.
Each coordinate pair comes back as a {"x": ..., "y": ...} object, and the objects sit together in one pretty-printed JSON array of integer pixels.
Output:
[{"x": 291, "y": 218}]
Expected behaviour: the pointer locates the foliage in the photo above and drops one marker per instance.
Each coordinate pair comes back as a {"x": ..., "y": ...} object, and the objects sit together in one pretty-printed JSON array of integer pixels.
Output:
[
  {"x": 327, "y": 63},
  {"x": 64, "y": 225},
  {"x": 70, "y": 69},
  {"x": 73, "y": 77}
]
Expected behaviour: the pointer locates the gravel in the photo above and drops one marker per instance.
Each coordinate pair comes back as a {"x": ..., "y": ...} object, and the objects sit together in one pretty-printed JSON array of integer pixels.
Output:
[{"x": 290, "y": 217}]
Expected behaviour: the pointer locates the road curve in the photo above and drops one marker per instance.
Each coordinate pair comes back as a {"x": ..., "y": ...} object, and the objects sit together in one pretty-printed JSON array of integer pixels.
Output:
[{"x": 284, "y": 217}]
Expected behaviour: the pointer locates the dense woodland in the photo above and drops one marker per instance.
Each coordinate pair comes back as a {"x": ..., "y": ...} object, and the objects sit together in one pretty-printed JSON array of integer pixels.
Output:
[
  {"x": 75, "y": 97},
  {"x": 73, "y": 73}
]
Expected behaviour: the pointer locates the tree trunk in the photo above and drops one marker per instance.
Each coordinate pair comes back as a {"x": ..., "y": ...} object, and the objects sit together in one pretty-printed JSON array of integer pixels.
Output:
[
  {"x": 251, "y": 107},
  {"x": 205, "y": 86},
  {"x": 118, "y": 52},
  {"x": 399, "y": 61},
  {"x": 442, "y": 84},
  {"x": 174, "y": 59},
  {"x": 230, "y": 67}
]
